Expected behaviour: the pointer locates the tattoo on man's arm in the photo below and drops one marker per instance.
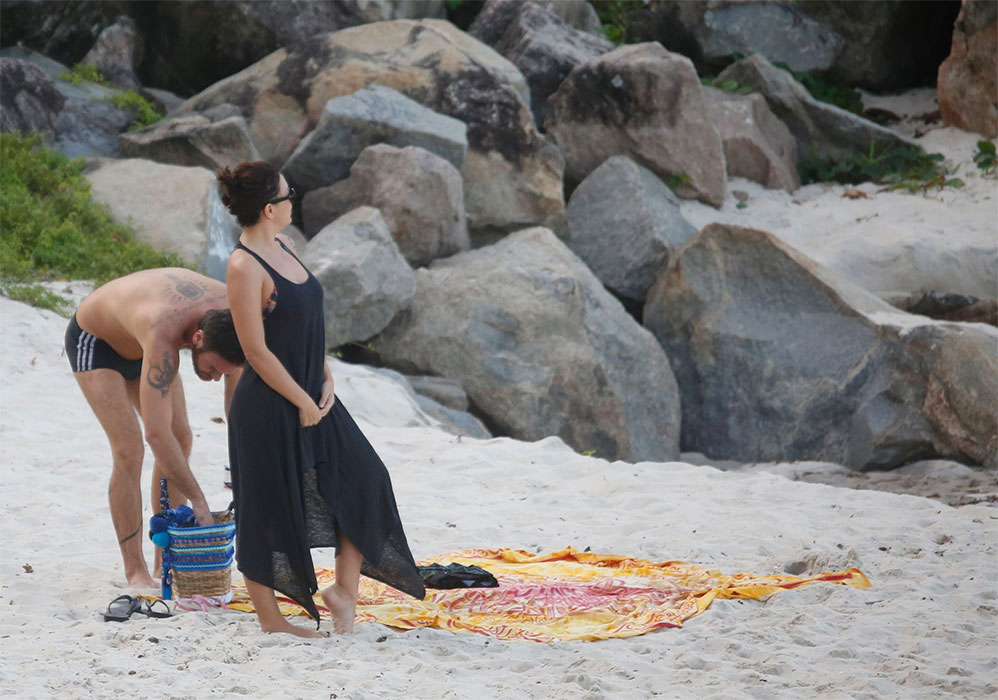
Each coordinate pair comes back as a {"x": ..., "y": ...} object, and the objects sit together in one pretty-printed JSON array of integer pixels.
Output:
[
  {"x": 189, "y": 289},
  {"x": 160, "y": 377}
]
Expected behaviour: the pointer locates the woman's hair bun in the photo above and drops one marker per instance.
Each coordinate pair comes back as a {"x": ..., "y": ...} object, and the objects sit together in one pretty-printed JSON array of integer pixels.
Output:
[{"x": 246, "y": 189}]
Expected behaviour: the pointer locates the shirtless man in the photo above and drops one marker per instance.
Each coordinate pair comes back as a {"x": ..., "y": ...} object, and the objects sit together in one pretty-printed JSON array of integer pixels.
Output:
[{"x": 124, "y": 345}]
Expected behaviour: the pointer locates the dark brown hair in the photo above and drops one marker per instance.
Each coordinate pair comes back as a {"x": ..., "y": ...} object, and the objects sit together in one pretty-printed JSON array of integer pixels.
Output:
[
  {"x": 219, "y": 337},
  {"x": 247, "y": 188}
]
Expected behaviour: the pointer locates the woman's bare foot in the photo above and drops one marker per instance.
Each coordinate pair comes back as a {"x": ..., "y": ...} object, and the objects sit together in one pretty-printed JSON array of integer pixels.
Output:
[
  {"x": 343, "y": 607},
  {"x": 285, "y": 627}
]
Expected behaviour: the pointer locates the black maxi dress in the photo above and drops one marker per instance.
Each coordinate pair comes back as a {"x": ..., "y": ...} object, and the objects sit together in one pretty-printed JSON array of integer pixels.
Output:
[{"x": 296, "y": 488}]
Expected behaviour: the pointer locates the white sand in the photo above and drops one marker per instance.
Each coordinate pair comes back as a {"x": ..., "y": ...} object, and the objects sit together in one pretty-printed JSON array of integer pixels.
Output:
[{"x": 926, "y": 628}]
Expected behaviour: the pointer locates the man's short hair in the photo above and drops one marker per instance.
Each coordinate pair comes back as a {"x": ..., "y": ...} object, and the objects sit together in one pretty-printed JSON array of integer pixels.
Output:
[{"x": 220, "y": 336}]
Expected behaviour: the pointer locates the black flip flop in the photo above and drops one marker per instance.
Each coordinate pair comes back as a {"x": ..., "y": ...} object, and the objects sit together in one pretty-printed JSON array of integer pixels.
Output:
[
  {"x": 148, "y": 608},
  {"x": 122, "y": 608}
]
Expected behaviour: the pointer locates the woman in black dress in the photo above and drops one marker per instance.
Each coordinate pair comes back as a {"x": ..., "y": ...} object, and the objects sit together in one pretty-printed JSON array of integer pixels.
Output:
[{"x": 303, "y": 474}]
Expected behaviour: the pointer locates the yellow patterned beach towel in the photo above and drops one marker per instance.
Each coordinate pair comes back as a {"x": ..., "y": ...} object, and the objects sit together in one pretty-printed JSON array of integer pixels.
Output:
[{"x": 564, "y": 595}]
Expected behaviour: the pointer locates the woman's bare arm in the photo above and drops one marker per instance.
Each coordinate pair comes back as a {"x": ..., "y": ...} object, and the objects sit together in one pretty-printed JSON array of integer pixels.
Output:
[{"x": 244, "y": 283}]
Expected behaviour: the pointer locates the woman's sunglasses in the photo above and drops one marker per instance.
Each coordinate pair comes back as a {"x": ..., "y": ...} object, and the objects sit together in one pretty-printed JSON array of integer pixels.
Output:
[{"x": 289, "y": 195}]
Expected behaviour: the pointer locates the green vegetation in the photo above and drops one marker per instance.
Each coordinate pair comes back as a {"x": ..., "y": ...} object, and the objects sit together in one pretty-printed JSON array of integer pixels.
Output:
[
  {"x": 37, "y": 295},
  {"x": 985, "y": 158},
  {"x": 145, "y": 113},
  {"x": 897, "y": 167},
  {"x": 51, "y": 229},
  {"x": 677, "y": 181},
  {"x": 726, "y": 85},
  {"x": 826, "y": 90},
  {"x": 83, "y": 74},
  {"x": 613, "y": 15}
]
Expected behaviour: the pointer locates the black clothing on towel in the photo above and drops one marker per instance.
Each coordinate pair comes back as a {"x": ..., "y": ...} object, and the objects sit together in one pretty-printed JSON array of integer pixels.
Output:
[
  {"x": 296, "y": 488},
  {"x": 455, "y": 575}
]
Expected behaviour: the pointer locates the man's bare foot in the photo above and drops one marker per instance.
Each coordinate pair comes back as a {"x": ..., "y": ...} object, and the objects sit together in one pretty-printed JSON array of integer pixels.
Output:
[
  {"x": 142, "y": 579},
  {"x": 285, "y": 627},
  {"x": 343, "y": 608}
]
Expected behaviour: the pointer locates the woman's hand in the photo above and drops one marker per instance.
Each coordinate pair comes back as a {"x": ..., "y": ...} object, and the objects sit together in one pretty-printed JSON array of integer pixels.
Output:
[
  {"x": 309, "y": 414},
  {"x": 327, "y": 398}
]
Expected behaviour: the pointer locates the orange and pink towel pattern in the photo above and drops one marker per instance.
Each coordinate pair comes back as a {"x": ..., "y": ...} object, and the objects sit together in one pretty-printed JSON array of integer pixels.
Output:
[{"x": 563, "y": 595}]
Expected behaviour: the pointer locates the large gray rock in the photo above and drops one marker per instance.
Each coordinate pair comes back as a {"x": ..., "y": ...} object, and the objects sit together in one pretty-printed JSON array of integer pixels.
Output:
[
  {"x": 545, "y": 49},
  {"x": 883, "y": 46},
  {"x": 494, "y": 18},
  {"x": 757, "y": 145},
  {"x": 643, "y": 102},
  {"x": 822, "y": 130},
  {"x": 780, "y": 32},
  {"x": 540, "y": 347},
  {"x": 171, "y": 208},
  {"x": 420, "y": 196},
  {"x": 369, "y": 116},
  {"x": 365, "y": 279},
  {"x": 88, "y": 123},
  {"x": 116, "y": 54},
  {"x": 29, "y": 100},
  {"x": 193, "y": 139},
  {"x": 512, "y": 174},
  {"x": 779, "y": 359},
  {"x": 624, "y": 222}
]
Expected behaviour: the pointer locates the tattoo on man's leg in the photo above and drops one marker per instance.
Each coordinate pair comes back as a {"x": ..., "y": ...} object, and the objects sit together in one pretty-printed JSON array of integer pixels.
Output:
[
  {"x": 122, "y": 541},
  {"x": 187, "y": 288},
  {"x": 160, "y": 377}
]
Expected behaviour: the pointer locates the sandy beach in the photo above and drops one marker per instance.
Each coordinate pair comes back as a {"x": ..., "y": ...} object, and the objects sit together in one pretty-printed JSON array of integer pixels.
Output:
[{"x": 927, "y": 627}]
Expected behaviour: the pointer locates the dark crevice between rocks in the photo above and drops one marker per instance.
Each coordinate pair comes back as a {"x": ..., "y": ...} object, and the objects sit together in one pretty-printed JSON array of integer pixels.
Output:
[
  {"x": 634, "y": 307},
  {"x": 946, "y": 306}
]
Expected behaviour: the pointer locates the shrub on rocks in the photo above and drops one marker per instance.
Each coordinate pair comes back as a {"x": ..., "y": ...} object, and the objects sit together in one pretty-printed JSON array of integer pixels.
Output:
[{"x": 824, "y": 133}]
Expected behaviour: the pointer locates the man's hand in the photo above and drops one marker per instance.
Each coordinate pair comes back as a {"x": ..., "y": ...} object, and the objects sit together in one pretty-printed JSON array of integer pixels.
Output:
[{"x": 203, "y": 515}]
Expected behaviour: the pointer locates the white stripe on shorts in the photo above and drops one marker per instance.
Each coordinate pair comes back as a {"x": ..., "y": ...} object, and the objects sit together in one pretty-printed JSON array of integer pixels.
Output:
[
  {"x": 90, "y": 356},
  {"x": 79, "y": 349},
  {"x": 85, "y": 351}
]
